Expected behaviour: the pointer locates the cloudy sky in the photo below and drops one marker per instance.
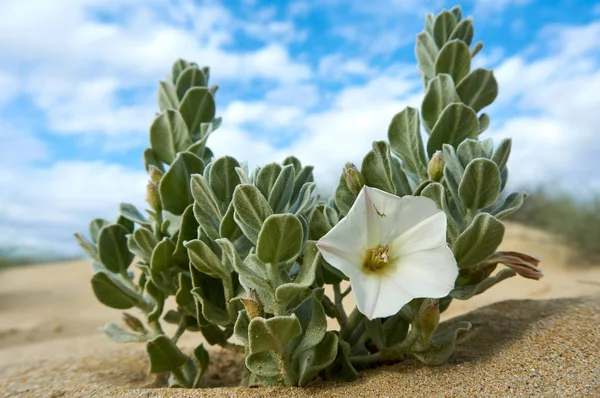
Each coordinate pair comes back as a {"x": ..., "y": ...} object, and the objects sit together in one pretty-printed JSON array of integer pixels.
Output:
[{"x": 317, "y": 79}]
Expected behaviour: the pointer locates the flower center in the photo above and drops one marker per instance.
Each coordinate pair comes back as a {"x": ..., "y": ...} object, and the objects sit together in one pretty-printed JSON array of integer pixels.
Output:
[{"x": 376, "y": 259}]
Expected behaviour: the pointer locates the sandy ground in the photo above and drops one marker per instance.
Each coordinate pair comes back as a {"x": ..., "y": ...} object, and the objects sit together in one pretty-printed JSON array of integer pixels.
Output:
[{"x": 50, "y": 345}]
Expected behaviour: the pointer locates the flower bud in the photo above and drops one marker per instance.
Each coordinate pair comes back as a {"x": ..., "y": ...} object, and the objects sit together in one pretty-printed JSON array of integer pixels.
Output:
[
  {"x": 435, "y": 169},
  {"x": 152, "y": 196},
  {"x": 253, "y": 306},
  {"x": 354, "y": 180},
  {"x": 155, "y": 174}
]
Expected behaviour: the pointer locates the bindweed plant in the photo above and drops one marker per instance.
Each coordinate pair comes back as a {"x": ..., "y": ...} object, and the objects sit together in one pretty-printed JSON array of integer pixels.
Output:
[{"x": 247, "y": 256}]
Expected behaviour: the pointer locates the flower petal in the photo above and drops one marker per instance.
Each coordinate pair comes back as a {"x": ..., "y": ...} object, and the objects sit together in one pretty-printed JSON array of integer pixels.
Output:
[
  {"x": 426, "y": 273},
  {"x": 394, "y": 215},
  {"x": 428, "y": 234},
  {"x": 366, "y": 293}
]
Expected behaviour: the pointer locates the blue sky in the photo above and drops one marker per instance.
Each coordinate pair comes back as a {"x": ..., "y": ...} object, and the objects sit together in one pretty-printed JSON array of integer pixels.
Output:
[{"x": 318, "y": 79}]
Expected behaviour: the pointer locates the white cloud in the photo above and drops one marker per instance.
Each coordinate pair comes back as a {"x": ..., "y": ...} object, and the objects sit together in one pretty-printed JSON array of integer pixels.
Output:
[
  {"x": 496, "y": 6},
  {"x": 337, "y": 68}
]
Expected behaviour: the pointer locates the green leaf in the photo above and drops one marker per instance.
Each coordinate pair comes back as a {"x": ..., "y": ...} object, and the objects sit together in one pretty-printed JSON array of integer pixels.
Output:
[
  {"x": 169, "y": 135},
  {"x": 344, "y": 198},
  {"x": 273, "y": 333},
  {"x": 476, "y": 48},
  {"x": 174, "y": 187},
  {"x": 190, "y": 77},
  {"x": 442, "y": 345},
  {"x": 294, "y": 161},
  {"x": 457, "y": 13},
  {"x": 304, "y": 201},
  {"x": 264, "y": 363},
  {"x": 479, "y": 89},
  {"x": 131, "y": 213},
  {"x": 201, "y": 360},
  {"x": 228, "y": 227},
  {"x": 376, "y": 168},
  {"x": 164, "y": 355},
  {"x": 120, "y": 335},
  {"x": 305, "y": 175},
  {"x": 454, "y": 59},
  {"x": 320, "y": 223},
  {"x": 212, "y": 300},
  {"x": 426, "y": 53},
  {"x": 187, "y": 231},
  {"x": 443, "y": 26},
  {"x": 341, "y": 368},
  {"x": 87, "y": 246},
  {"x": 183, "y": 297},
  {"x": 265, "y": 180},
  {"x": 456, "y": 123},
  {"x": 484, "y": 122},
  {"x": 280, "y": 239},
  {"x": 197, "y": 107},
  {"x": 310, "y": 362},
  {"x": 151, "y": 159},
  {"x": 112, "y": 293},
  {"x": 167, "y": 96},
  {"x": 479, "y": 241},
  {"x": 469, "y": 150},
  {"x": 502, "y": 153},
  {"x": 463, "y": 31},
  {"x": 162, "y": 256},
  {"x": 205, "y": 199},
  {"x": 112, "y": 248},
  {"x": 179, "y": 66},
  {"x": 429, "y": 21},
  {"x": 205, "y": 260},
  {"x": 251, "y": 210},
  {"x": 512, "y": 203},
  {"x": 286, "y": 292},
  {"x": 404, "y": 134},
  {"x": 223, "y": 178},
  {"x": 480, "y": 185},
  {"x": 282, "y": 189},
  {"x": 95, "y": 226},
  {"x": 440, "y": 93},
  {"x": 125, "y": 223},
  {"x": 313, "y": 322},
  {"x": 146, "y": 241}
]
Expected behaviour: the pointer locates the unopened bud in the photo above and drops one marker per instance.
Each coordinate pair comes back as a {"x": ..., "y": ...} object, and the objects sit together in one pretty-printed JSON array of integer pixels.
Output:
[
  {"x": 435, "y": 169},
  {"x": 134, "y": 323},
  {"x": 354, "y": 180},
  {"x": 152, "y": 196},
  {"x": 155, "y": 174},
  {"x": 253, "y": 306}
]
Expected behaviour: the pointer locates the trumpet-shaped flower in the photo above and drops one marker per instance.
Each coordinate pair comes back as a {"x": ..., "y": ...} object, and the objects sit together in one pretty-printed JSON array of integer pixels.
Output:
[{"x": 393, "y": 250}]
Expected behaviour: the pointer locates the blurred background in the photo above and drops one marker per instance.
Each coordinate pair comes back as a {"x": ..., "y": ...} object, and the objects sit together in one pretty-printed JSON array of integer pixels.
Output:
[{"x": 317, "y": 79}]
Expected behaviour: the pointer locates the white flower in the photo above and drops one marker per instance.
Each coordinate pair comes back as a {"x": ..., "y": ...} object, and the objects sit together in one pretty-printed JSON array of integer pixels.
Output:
[{"x": 393, "y": 250}]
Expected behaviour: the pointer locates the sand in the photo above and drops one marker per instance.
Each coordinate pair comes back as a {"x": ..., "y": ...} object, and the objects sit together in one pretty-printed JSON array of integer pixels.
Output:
[{"x": 543, "y": 341}]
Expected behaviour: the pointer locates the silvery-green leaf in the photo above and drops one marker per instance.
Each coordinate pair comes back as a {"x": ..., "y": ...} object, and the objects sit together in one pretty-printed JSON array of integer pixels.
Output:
[
  {"x": 164, "y": 355},
  {"x": 429, "y": 20},
  {"x": 120, "y": 335},
  {"x": 502, "y": 153},
  {"x": 209, "y": 226},
  {"x": 377, "y": 169},
  {"x": 313, "y": 322},
  {"x": 240, "y": 329},
  {"x": 251, "y": 210},
  {"x": 151, "y": 159},
  {"x": 201, "y": 360},
  {"x": 512, "y": 203},
  {"x": 162, "y": 256},
  {"x": 310, "y": 362},
  {"x": 476, "y": 48},
  {"x": 442, "y": 345},
  {"x": 401, "y": 185},
  {"x": 479, "y": 241},
  {"x": 463, "y": 31},
  {"x": 293, "y": 161},
  {"x": 146, "y": 241},
  {"x": 484, "y": 122},
  {"x": 183, "y": 297},
  {"x": 188, "y": 230},
  {"x": 223, "y": 178},
  {"x": 443, "y": 26},
  {"x": 131, "y": 213},
  {"x": 426, "y": 53},
  {"x": 264, "y": 363},
  {"x": 228, "y": 227},
  {"x": 456, "y": 123},
  {"x": 305, "y": 175},
  {"x": 457, "y": 13},
  {"x": 205, "y": 260},
  {"x": 454, "y": 59},
  {"x": 178, "y": 66},
  {"x": 452, "y": 162},
  {"x": 174, "y": 186},
  {"x": 503, "y": 179},
  {"x": 288, "y": 291},
  {"x": 243, "y": 174},
  {"x": 488, "y": 147},
  {"x": 125, "y": 223},
  {"x": 167, "y": 96},
  {"x": 112, "y": 293},
  {"x": 169, "y": 135},
  {"x": 283, "y": 189},
  {"x": 273, "y": 333},
  {"x": 87, "y": 246},
  {"x": 112, "y": 248},
  {"x": 404, "y": 135},
  {"x": 344, "y": 198},
  {"x": 280, "y": 239},
  {"x": 305, "y": 199},
  {"x": 213, "y": 308},
  {"x": 204, "y": 197},
  {"x": 95, "y": 226},
  {"x": 479, "y": 89},
  {"x": 190, "y": 77},
  {"x": 319, "y": 223},
  {"x": 197, "y": 107},
  {"x": 469, "y": 150},
  {"x": 440, "y": 93},
  {"x": 480, "y": 185},
  {"x": 265, "y": 180}
]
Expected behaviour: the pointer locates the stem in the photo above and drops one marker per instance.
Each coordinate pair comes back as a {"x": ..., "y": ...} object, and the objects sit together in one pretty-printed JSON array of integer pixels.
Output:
[
  {"x": 342, "y": 317},
  {"x": 286, "y": 370},
  {"x": 180, "y": 377},
  {"x": 233, "y": 347},
  {"x": 347, "y": 291},
  {"x": 180, "y": 330},
  {"x": 389, "y": 353},
  {"x": 353, "y": 320}
]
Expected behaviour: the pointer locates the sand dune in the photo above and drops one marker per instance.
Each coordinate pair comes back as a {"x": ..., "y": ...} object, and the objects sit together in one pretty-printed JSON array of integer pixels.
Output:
[{"x": 50, "y": 344}]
